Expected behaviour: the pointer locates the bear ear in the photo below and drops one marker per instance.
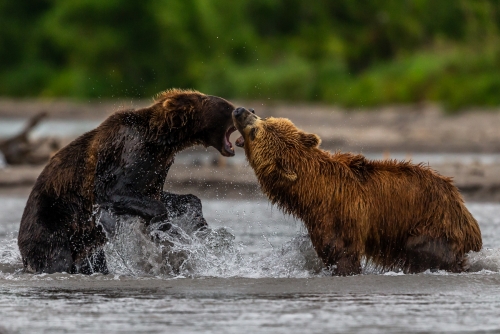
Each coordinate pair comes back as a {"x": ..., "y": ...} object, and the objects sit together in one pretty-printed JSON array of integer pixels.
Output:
[
  {"x": 309, "y": 139},
  {"x": 182, "y": 101}
]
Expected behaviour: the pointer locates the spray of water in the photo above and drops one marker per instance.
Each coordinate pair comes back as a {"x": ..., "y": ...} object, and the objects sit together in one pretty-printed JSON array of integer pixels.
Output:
[
  {"x": 10, "y": 257},
  {"x": 138, "y": 250}
]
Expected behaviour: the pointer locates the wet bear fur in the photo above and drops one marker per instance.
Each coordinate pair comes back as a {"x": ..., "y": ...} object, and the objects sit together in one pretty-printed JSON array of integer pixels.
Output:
[
  {"x": 397, "y": 214},
  {"x": 119, "y": 167}
]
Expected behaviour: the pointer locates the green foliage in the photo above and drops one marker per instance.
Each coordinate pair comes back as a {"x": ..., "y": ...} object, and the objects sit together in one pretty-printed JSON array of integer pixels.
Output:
[{"x": 347, "y": 52}]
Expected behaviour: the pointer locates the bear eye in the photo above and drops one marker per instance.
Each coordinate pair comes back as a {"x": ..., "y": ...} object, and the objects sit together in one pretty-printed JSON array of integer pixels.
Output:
[{"x": 253, "y": 133}]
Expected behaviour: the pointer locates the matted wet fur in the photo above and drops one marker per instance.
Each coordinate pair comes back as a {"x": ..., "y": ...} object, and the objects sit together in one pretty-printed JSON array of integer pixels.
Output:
[
  {"x": 397, "y": 214},
  {"x": 120, "y": 166}
]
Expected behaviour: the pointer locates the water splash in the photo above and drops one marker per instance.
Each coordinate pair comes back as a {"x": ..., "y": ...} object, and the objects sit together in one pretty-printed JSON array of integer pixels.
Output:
[
  {"x": 486, "y": 259},
  {"x": 138, "y": 250},
  {"x": 10, "y": 257}
]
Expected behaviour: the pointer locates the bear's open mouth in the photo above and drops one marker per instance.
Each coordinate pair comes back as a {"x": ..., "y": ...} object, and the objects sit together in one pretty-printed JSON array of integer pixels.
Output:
[{"x": 228, "y": 147}]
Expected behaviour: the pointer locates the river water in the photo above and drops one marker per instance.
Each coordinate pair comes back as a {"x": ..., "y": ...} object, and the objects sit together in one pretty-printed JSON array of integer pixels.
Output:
[{"x": 254, "y": 271}]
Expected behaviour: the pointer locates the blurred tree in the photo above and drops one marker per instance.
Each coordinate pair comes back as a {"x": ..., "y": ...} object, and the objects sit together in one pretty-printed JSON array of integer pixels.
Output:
[{"x": 350, "y": 52}]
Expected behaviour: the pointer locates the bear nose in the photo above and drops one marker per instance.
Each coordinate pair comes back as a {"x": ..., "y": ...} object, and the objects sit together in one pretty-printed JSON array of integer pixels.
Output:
[{"x": 238, "y": 111}]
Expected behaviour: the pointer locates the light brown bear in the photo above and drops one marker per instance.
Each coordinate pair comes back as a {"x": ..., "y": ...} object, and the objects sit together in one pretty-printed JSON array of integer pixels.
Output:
[{"x": 397, "y": 214}]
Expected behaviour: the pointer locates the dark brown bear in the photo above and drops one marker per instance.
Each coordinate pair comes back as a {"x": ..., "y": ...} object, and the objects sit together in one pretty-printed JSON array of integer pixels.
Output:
[
  {"x": 120, "y": 166},
  {"x": 397, "y": 214}
]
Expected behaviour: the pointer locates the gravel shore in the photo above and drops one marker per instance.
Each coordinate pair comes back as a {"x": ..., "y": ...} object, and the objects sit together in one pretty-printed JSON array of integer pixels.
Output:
[{"x": 390, "y": 132}]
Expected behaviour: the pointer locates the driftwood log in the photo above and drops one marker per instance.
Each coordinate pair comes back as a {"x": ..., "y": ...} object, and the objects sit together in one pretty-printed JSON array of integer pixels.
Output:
[{"x": 20, "y": 149}]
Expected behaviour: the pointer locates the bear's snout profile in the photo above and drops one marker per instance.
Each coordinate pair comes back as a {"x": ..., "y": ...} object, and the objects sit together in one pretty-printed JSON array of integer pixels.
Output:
[
  {"x": 239, "y": 111},
  {"x": 243, "y": 118}
]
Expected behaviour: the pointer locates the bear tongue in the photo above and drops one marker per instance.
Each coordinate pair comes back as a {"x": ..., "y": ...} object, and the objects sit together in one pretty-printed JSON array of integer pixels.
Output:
[
  {"x": 228, "y": 147},
  {"x": 240, "y": 142}
]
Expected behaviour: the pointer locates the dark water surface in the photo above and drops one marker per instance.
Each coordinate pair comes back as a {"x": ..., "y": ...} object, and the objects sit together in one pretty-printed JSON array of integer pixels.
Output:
[{"x": 255, "y": 272}]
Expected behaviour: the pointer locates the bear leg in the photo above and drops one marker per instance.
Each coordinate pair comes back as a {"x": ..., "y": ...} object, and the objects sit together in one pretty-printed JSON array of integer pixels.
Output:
[
  {"x": 59, "y": 260},
  {"x": 46, "y": 252},
  {"x": 343, "y": 261},
  {"x": 134, "y": 204},
  {"x": 348, "y": 265},
  {"x": 423, "y": 252},
  {"x": 185, "y": 209}
]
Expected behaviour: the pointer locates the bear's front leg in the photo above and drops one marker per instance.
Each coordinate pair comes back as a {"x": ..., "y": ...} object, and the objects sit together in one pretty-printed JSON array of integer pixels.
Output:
[
  {"x": 185, "y": 210},
  {"x": 127, "y": 204},
  {"x": 341, "y": 257},
  {"x": 135, "y": 204}
]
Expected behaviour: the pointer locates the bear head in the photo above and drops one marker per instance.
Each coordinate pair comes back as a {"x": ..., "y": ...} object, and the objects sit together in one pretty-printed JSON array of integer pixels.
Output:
[
  {"x": 205, "y": 118},
  {"x": 274, "y": 146}
]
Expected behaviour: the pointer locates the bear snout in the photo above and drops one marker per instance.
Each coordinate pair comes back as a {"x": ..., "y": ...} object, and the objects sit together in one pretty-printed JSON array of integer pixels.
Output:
[{"x": 239, "y": 111}]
